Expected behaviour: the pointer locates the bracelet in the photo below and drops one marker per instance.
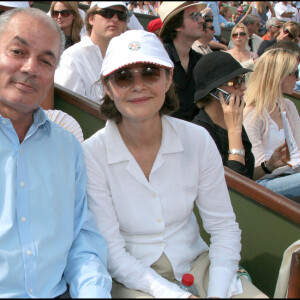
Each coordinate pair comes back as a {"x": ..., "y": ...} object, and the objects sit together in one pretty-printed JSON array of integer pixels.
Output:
[
  {"x": 264, "y": 167},
  {"x": 240, "y": 152}
]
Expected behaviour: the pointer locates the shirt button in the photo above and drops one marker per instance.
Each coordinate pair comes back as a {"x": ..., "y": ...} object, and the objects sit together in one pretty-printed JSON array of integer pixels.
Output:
[
  {"x": 153, "y": 195},
  {"x": 162, "y": 244},
  {"x": 31, "y": 290},
  {"x": 159, "y": 220},
  {"x": 21, "y": 150},
  {"x": 29, "y": 252},
  {"x": 22, "y": 183},
  {"x": 3, "y": 122},
  {"x": 23, "y": 219}
]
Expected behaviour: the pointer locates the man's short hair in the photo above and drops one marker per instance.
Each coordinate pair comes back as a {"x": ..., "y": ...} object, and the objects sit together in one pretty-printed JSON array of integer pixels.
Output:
[
  {"x": 250, "y": 19},
  {"x": 271, "y": 22},
  {"x": 89, "y": 13},
  {"x": 36, "y": 13},
  {"x": 170, "y": 33}
]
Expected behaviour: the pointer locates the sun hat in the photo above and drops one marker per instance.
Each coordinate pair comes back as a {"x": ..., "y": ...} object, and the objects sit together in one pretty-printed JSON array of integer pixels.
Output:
[
  {"x": 154, "y": 25},
  {"x": 214, "y": 69},
  {"x": 134, "y": 46},
  {"x": 169, "y": 9},
  {"x": 15, "y": 4},
  {"x": 106, "y": 4}
]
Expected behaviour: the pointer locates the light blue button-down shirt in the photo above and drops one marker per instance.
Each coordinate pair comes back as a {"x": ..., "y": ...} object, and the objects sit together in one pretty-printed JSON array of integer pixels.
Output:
[{"x": 47, "y": 234}]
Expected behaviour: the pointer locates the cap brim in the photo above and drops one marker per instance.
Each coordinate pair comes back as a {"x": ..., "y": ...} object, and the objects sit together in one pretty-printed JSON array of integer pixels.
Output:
[
  {"x": 202, "y": 93},
  {"x": 201, "y": 6}
]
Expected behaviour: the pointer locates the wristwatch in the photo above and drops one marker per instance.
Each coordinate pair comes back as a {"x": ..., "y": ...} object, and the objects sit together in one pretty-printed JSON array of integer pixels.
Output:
[{"x": 240, "y": 152}]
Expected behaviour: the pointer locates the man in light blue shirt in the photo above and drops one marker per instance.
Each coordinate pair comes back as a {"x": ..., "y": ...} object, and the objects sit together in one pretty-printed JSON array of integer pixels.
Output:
[{"x": 47, "y": 234}]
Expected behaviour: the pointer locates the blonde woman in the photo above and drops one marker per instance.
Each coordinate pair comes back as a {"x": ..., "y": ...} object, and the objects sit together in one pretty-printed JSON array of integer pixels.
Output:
[
  {"x": 68, "y": 18},
  {"x": 275, "y": 73},
  {"x": 240, "y": 37}
]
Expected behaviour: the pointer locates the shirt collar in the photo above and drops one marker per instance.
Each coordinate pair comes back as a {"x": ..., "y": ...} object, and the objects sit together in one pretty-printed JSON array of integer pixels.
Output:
[{"x": 117, "y": 151}]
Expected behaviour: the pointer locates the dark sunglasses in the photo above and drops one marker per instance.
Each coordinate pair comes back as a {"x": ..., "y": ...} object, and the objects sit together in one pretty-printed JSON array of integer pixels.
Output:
[
  {"x": 64, "y": 13},
  {"x": 296, "y": 74},
  {"x": 196, "y": 15},
  {"x": 285, "y": 30},
  {"x": 278, "y": 26},
  {"x": 237, "y": 82},
  {"x": 124, "y": 77},
  {"x": 234, "y": 35},
  {"x": 212, "y": 28},
  {"x": 108, "y": 13},
  {"x": 2, "y": 11}
]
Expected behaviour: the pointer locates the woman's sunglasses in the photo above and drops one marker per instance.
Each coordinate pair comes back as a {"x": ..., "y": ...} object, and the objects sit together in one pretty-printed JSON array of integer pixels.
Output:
[
  {"x": 235, "y": 35},
  {"x": 237, "y": 82},
  {"x": 124, "y": 77},
  {"x": 64, "y": 13},
  {"x": 285, "y": 30},
  {"x": 296, "y": 74},
  {"x": 108, "y": 13}
]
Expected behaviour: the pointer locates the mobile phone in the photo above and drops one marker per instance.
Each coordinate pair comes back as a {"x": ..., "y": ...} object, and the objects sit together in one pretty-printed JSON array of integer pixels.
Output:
[{"x": 215, "y": 93}]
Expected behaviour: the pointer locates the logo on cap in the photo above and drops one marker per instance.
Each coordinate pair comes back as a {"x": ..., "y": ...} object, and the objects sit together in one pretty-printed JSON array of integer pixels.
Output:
[{"x": 134, "y": 46}]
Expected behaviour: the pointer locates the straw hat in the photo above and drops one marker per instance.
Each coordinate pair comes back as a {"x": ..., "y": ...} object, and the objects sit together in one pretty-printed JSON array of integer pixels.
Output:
[{"x": 169, "y": 9}]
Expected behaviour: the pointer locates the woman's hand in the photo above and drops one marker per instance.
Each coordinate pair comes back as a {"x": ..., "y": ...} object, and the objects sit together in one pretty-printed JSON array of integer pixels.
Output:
[
  {"x": 233, "y": 113},
  {"x": 277, "y": 158}
]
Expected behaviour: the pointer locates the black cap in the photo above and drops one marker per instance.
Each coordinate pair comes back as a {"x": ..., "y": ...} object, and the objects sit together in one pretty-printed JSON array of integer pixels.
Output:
[{"x": 214, "y": 69}]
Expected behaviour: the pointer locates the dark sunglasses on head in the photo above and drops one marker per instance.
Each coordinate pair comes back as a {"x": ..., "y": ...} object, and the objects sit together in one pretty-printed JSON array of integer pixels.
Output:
[
  {"x": 234, "y": 35},
  {"x": 64, "y": 13},
  {"x": 108, "y": 13},
  {"x": 196, "y": 15},
  {"x": 124, "y": 77},
  {"x": 237, "y": 82},
  {"x": 296, "y": 74},
  {"x": 285, "y": 30}
]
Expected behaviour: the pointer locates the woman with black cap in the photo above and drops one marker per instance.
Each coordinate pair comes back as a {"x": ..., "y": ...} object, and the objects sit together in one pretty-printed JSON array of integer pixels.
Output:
[{"x": 220, "y": 87}]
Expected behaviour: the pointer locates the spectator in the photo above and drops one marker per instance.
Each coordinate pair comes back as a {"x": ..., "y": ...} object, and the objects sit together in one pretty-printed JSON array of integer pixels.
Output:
[
  {"x": 154, "y": 26},
  {"x": 142, "y": 7},
  {"x": 284, "y": 11},
  {"x": 225, "y": 17},
  {"x": 274, "y": 73},
  {"x": 182, "y": 26},
  {"x": 240, "y": 36},
  {"x": 289, "y": 31},
  {"x": 252, "y": 23},
  {"x": 80, "y": 65},
  {"x": 152, "y": 233},
  {"x": 8, "y": 5},
  {"x": 202, "y": 44},
  {"x": 48, "y": 237},
  {"x": 68, "y": 18},
  {"x": 273, "y": 25}
]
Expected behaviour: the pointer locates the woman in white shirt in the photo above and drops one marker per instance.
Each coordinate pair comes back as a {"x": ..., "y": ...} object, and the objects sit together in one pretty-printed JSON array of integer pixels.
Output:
[
  {"x": 266, "y": 113},
  {"x": 145, "y": 172},
  {"x": 142, "y": 7}
]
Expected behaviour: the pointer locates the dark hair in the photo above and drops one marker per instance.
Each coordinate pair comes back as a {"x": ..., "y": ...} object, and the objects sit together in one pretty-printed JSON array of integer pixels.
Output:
[
  {"x": 169, "y": 32},
  {"x": 108, "y": 108},
  {"x": 204, "y": 101}
]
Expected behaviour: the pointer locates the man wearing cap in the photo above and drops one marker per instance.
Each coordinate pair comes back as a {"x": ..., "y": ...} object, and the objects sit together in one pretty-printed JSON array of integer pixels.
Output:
[
  {"x": 48, "y": 237},
  {"x": 154, "y": 26},
  {"x": 182, "y": 26},
  {"x": 80, "y": 65}
]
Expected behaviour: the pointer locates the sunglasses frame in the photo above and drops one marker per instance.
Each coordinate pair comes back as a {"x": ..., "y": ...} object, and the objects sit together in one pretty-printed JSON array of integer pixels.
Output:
[
  {"x": 103, "y": 13},
  {"x": 212, "y": 28},
  {"x": 130, "y": 79},
  {"x": 285, "y": 30},
  {"x": 237, "y": 81},
  {"x": 296, "y": 73},
  {"x": 236, "y": 34},
  {"x": 62, "y": 13},
  {"x": 196, "y": 15}
]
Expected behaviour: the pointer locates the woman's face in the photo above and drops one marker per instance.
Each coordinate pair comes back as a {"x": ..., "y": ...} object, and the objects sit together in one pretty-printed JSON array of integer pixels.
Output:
[
  {"x": 142, "y": 95},
  {"x": 239, "y": 36},
  {"x": 288, "y": 83},
  {"x": 63, "y": 22},
  {"x": 236, "y": 86}
]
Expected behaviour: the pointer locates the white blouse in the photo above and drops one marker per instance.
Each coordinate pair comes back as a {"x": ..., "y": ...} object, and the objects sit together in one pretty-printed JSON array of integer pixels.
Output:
[{"x": 141, "y": 219}]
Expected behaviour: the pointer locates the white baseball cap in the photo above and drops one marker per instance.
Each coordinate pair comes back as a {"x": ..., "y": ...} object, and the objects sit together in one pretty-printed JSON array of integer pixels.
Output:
[
  {"x": 134, "y": 46},
  {"x": 106, "y": 4},
  {"x": 14, "y": 4}
]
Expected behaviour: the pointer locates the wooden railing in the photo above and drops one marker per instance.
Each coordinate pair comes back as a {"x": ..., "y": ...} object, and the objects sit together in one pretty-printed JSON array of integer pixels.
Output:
[{"x": 235, "y": 181}]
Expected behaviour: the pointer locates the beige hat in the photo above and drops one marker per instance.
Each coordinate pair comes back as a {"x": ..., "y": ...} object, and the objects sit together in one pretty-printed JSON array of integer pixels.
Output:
[{"x": 169, "y": 9}]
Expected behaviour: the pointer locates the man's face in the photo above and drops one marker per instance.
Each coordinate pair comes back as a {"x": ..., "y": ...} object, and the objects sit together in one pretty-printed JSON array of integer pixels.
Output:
[
  {"x": 190, "y": 28},
  {"x": 253, "y": 28},
  {"x": 104, "y": 28},
  {"x": 276, "y": 28},
  {"x": 29, "y": 51},
  {"x": 209, "y": 31}
]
